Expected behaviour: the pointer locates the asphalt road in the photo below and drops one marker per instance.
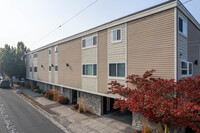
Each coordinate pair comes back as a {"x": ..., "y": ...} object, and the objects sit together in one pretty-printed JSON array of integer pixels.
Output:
[{"x": 17, "y": 116}]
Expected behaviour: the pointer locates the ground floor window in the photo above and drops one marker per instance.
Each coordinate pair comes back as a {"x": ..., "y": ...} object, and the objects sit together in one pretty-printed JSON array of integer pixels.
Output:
[
  {"x": 89, "y": 69},
  {"x": 186, "y": 68},
  {"x": 117, "y": 70}
]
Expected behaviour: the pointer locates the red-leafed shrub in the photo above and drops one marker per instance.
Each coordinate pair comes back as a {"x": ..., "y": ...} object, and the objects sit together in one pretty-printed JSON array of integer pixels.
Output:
[
  {"x": 49, "y": 95},
  {"x": 176, "y": 104},
  {"x": 63, "y": 100}
]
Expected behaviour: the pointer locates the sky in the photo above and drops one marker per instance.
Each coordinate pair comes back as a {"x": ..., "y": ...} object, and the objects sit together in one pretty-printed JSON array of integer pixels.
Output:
[{"x": 30, "y": 20}]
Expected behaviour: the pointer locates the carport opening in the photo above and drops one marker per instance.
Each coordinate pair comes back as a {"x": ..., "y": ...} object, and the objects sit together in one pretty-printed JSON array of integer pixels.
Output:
[{"x": 109, "y": 111}]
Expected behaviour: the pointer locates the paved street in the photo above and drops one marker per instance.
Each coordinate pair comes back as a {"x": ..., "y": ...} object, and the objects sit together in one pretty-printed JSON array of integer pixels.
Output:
[{"x": 17, "y": 116}]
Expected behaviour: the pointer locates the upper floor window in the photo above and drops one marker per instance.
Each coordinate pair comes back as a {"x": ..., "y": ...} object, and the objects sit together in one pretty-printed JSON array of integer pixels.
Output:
[
  {"x": 56, "y": 68},
  {"x": 30, "y": 69},
  {"x": 35, "y": 55},
  {"x": 182, "y": 26},
  {"x": 56, "y": 49},
  {"x": 49, "y": 51},
  {"x": 117, "y": 70},
  {"x": 90, "y": 69},
  {"x": 35, "y": 69},
  {"x": 116, "y": 35},
  {"x": 89, "y": 42},
  {"x": 186, "y": 68},
  {"x": 49, "y": 68}
]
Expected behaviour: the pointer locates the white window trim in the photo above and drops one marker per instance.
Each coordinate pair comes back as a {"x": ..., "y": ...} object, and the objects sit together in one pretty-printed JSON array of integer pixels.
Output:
[
  {"x": 190, "y": 75},
  {"x": 89, "y": 76},
  {"x": 92, "y": 42},
  {"x": 48, "y": 52},
  {"x": 112, "y": 77},
  {"x": 34, "y": 55},
  {"x": 180, "y": 16},
  {"x": 55, "y": 67},
  {"x": 187, "y": 75},
  {"x": 117, "y": 41},
  {"x": 55, "y": 50},
  {"x": 48, "y": 68},
  {"x": 34, "y": 69}
]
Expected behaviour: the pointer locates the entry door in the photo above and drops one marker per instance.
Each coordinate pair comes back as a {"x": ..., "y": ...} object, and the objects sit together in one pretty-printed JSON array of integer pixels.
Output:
[{"x": 74, "y": 96}]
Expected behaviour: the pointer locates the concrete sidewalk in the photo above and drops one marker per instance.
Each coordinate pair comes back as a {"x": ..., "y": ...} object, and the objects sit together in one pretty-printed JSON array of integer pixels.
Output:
[{"x": 76, "y": 122}]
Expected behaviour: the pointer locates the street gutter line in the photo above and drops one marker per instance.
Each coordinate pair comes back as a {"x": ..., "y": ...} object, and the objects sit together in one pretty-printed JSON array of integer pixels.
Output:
[{"x": 44, "y": 113}]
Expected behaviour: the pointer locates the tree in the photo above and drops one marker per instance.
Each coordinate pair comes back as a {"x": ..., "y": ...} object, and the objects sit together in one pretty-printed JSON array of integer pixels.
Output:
[
  {"x": 160, "y": 100},
  {"x": 12, "y": 60}
]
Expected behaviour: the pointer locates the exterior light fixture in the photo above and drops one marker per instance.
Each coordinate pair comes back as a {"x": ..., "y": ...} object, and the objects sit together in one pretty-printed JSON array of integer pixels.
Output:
[
  {"x": 196, "y": 62},
  {"x": 52, "y": 65},
  {"x": 67, "y": 64}
]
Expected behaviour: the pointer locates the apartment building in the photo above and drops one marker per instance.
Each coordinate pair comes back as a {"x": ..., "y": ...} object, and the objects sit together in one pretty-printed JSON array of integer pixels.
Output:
[{"x": 165, "y": 37}]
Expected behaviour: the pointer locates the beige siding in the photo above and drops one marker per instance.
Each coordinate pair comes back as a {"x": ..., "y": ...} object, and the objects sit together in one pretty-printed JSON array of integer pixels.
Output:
[
  {"x": 89, "y": 84},
  {"x": 35, "y": 74},
  {"x": 49, "y": 64},
  {"x": 53, "y": 62},
  {"x": 70, "y": 52},
  {"x": 89, "y": 56},
  {"x": 151, "y": 45},
  {"x": 42, "y": 60},
  {"x": 56, "y": 63},
  {"x": 117, "y": 51},
  {"x": 102, "y": 61},
  {"x": 182, "y": 47},
  {"x": 194, "y": 47}
]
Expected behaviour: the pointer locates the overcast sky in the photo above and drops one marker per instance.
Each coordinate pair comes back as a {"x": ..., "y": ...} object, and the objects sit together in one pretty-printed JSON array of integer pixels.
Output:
[{"x": 30, "y": 20}]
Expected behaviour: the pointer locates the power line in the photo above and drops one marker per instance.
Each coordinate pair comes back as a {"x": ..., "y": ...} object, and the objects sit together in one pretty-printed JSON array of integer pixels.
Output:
[
  {"x": 65, "y": 22},
  {"x": 80, "y": 13}
]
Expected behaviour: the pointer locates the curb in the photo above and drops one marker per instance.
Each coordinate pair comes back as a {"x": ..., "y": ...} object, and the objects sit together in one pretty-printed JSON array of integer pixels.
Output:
[{"x": 50, "y": 116}]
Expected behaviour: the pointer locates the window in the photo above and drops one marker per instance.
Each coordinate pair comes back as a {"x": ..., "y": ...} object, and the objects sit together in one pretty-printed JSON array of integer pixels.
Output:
[
  {"x": 83, "y": 43},
  {"x": 49, "y": 51},
  {"x": 35, "y": 55},
  {"x": 94, "y": 40},
  {"x": 182, "y": 26},
  {"x": 89, "y": 42},
  {"x": 190, "y": 68},
  {"x": 49, "y": 68},
  {"x": 89, "y": 69},
  {"x": 117, "y": 70},
  {"x": 56, "y": 49},
  {"x": 186, "y": 68},
  {"x": 30, "y": 69},
  {"x": 35, "y": 69},
  {"x": 116, "y": 35},
  {"x": 56, "y": 68}
]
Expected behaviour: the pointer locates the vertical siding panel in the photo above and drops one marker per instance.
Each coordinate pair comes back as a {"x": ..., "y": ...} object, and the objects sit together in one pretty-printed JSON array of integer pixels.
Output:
[
  {"x": 102, "y": 61},
  {"x": 42, "y": 60},
  {"x": 151, "y": 45},
  {"x": 70, "y": 52}
]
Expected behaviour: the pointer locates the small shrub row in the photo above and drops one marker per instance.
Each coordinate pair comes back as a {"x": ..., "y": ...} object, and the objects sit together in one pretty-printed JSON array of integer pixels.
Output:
[
  {"x": 63, "y": 100},
  {"x": 53, "y": 95}
]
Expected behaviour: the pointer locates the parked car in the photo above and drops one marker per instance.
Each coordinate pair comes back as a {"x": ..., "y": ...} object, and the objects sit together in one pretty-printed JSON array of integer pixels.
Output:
[{"x": 5, "y": 84}]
